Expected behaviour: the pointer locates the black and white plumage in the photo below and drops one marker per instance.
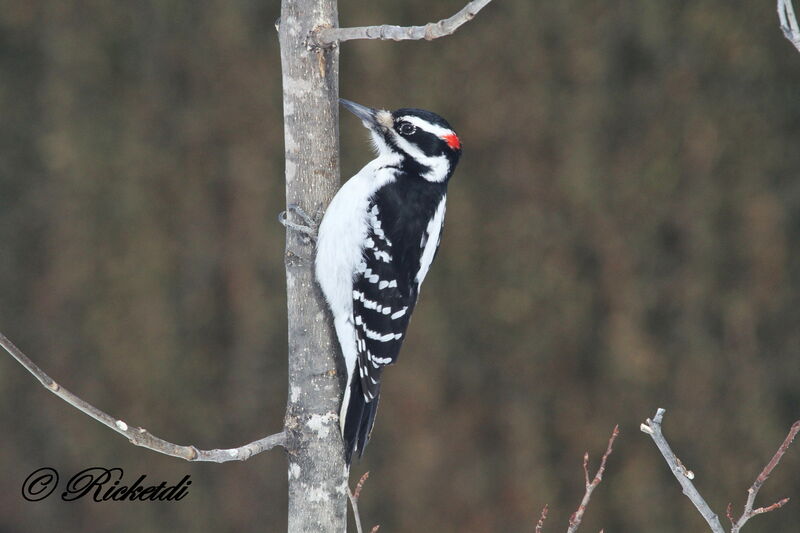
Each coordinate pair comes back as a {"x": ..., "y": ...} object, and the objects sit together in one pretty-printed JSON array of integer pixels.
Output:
[{"x": 376, "y": 243}]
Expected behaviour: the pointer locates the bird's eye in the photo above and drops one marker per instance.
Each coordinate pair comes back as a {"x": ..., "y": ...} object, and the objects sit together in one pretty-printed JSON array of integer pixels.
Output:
[{"x": 406, "y": 129}]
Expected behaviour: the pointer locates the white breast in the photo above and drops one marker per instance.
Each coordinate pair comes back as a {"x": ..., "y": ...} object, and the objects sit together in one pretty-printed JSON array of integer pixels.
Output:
[{"x": 343, "y": 232}]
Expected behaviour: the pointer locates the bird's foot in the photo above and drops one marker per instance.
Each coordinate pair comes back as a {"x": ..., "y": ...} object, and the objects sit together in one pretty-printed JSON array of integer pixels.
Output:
[{"x": 308, "y": 230}]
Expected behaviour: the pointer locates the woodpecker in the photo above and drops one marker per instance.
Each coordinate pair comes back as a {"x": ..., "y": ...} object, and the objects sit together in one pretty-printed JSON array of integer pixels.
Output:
[{"x": 375, "y": 245}]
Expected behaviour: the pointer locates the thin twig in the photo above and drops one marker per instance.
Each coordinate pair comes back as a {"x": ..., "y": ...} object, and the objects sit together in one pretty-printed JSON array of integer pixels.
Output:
[
  {"x": 684, "y": 476},
  {"x": 788, "y": 21},
  {"x": 354, "y": 502},
  {"x": 360, "y": 485},
  {"x": 542, "y": 518},
  {"x": 325, "y": 37},
  {"x": 752, "y": 492},
  {"x": 577, "y": 516},
  {"x": 137, "y": 435}
]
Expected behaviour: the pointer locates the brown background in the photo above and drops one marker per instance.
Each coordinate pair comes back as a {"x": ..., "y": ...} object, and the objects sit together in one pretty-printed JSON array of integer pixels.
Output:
[{"x": 621, "y": 236}]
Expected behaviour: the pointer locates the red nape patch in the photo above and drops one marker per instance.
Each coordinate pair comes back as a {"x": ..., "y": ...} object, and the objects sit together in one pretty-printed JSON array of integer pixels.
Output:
[{"x": 452, "y": 141}]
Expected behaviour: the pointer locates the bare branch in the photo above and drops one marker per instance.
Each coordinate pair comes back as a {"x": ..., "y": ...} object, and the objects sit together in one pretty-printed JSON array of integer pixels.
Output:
[
  {"x": 681, "y": 473},
  {"x": 684, "y": 477},
  {"x": 542, "y": 518},
  {"x": 326, "y": 36},
  {"x": 577, "y": 516},
  {"x": 137, "y": 435},
  {"x": 354, "y": 503},
  {"x": 788, "y": 21},
  {"x": 752, "y": 492}
]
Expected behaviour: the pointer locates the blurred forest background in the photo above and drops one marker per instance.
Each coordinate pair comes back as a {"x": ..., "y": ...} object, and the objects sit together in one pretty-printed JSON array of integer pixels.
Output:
[{"x": 621, "y": 236}]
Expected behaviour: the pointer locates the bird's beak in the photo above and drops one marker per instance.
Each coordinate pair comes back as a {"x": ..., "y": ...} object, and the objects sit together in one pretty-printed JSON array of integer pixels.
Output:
[{"x": 369, "y": 117}]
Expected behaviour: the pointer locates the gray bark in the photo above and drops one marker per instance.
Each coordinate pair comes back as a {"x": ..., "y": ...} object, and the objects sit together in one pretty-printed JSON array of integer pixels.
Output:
[{"x": 317, "y": 473}]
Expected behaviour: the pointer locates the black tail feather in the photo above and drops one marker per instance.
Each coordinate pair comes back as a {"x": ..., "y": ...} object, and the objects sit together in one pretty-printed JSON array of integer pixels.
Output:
[{"x": 359, "y": 420}]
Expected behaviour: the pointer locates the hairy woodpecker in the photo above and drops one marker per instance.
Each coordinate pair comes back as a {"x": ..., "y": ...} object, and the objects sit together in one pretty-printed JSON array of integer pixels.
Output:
[{"x": 376, "y": 243}]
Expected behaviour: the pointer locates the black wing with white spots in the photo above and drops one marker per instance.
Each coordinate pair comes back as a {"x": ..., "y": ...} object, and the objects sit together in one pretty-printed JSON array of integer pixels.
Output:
[
  {"x": 405, "y": 220},
  {"x": 383, "y": 299}
]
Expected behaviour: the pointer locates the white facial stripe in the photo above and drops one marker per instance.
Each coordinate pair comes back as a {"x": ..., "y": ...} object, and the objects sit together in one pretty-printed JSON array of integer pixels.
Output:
[
  {"x": 439, "y": 165},
  {"x": 410, "y": 149},
  {"x": 427, "y": 126}
]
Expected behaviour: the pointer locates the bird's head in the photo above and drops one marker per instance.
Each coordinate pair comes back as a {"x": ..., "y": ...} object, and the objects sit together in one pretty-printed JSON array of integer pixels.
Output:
[{"x": 424, "y": 141}]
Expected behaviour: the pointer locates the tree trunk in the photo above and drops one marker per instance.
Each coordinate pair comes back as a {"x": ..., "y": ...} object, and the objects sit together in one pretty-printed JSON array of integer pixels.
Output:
[{"x": 317, "y": 473}]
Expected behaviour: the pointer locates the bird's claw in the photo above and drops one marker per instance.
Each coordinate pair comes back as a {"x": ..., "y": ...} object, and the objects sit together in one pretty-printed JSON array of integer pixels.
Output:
[
  {"x": 308, "y": 230},
  {"x": 310, "y": 221}
]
